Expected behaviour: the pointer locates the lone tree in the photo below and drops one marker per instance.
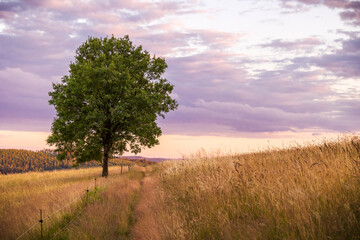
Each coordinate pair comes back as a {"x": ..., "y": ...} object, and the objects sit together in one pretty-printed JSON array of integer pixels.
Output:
[{"x": 109, "y": 102}]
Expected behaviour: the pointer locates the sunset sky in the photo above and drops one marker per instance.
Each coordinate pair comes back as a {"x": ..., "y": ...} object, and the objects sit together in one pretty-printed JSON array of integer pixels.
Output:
[{"x": 247, "y": 73}]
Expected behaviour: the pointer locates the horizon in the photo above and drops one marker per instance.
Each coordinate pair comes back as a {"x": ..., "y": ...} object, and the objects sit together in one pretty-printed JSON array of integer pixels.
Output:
[
  {"x": 248, "y": 74},
  {"x": 215, "y": 144}
]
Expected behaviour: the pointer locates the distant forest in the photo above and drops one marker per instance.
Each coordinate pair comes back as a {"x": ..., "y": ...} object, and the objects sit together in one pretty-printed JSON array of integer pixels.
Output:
[{"x": 19, "y": 161}]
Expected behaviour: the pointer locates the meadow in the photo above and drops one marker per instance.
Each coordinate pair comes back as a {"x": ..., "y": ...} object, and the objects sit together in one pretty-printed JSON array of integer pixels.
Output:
[
  {"x": 23, "y": 195},
  {"x": 310, "y": 192}
]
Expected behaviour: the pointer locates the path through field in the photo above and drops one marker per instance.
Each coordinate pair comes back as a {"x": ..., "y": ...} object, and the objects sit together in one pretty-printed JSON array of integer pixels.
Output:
[
  {"x": 68, "y": 210},
  {"x": 146, "y": 225},
  {"x": 111, "y": 216}
]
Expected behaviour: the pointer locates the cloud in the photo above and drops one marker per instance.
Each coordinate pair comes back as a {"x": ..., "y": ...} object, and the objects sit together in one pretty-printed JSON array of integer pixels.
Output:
[
  {"x": 306, "y": 44},
  {"x": 132, "y": 10},
  {"x": 34, "y": 43},
  {"x": 37, "y": 53},
  {"x": 344, "y": 62},
  {"x": 217, "y": 93},
  {"x": 221, "y": 90},
  {"x": 350, "y": 10},
  {"x": 232, "y": 118},
  {"x": 209, "y": 74},
  {"x": 24, "y": 101}
]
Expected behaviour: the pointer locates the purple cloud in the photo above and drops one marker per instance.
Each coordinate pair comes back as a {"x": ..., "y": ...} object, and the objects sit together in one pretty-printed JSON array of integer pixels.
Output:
[
  {"x": 350, "y": 9},
  {"x": 344, "y": 62},
  {"x": 23, "y": 105},
  {"x": 282, "y": 100},
  {"x": 306, "y": 44}
]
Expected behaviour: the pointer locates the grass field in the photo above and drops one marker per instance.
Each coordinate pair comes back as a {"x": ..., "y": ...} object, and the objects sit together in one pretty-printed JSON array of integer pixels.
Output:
[
  {"x": 310, "y": 192},
  {"x": 23, "y": 195}
]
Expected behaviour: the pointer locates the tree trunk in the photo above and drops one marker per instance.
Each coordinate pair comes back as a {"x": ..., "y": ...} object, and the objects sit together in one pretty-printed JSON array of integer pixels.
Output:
[
  {"x": 105, "y": 171},
  {"x": 107, "y": 143}
]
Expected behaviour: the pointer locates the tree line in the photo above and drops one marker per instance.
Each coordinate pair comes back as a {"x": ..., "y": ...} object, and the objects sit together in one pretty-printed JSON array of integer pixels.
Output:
[{"x": 19, "y": 161}]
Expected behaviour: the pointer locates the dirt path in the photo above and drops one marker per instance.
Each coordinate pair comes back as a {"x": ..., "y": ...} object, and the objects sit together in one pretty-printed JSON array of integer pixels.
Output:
[{"x": 146, "y": 211}]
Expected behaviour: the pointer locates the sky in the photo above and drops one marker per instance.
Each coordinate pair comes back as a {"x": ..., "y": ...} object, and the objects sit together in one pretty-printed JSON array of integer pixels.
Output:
[{"x": 248, "y": 74}]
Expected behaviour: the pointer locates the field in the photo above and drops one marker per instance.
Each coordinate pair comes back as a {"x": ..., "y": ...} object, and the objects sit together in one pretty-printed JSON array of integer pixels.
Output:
[
  {"x": 23, "y": 195},
  {"x": 310, "y": 192}
]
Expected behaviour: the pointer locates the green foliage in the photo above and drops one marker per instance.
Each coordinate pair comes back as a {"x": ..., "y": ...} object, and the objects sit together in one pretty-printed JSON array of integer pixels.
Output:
[{"x": 110, "y": 101}]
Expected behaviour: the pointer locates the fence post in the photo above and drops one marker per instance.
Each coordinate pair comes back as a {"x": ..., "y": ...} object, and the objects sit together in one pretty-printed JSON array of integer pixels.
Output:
[
  {"x": 95, "y": 184},
  {"x": 87, "y": 194},
  {"x": 41, "y": 225},
  {"x": 121, "y": 169}
]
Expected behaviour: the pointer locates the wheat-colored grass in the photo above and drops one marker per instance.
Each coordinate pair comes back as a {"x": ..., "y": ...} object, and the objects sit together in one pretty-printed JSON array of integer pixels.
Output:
[
  {"x": 23, "y": 195},
  {"x": 112, "y": 216},
  {"x": 147, "y": 213},
  {"x": 310, "y": 192}
]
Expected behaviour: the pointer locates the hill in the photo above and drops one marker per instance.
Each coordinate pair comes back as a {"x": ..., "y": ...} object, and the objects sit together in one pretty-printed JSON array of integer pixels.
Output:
[{"x": 18, "y": 161}]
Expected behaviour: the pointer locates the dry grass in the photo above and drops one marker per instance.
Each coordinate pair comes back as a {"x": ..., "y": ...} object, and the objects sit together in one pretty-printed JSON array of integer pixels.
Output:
[
  {"x": 310, "y": 192},
  {"x": 112, "y": 216},
  {"x": 147, "y": 213},
  {"x": 23, "y": 195},
  {"x": 296, "y": 193}
]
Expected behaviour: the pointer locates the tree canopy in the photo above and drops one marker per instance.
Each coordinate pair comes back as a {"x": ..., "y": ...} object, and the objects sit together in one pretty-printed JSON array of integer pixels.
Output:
[{"x": 110, "y": 101}]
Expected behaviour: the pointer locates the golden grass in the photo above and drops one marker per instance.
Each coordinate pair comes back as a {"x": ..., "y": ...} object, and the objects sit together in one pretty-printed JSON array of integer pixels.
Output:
[
  {"x": 296, "y": 193},
  {"x": 310, "y": 192},
  {"x": 23, "y": 195},
  {"x": 147, "y": 212},
  {"x": 112, "y": 216}
]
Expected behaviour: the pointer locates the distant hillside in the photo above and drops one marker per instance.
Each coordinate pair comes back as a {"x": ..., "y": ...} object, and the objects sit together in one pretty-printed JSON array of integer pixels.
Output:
[
  {"x": 134, "y": 158},
  {"x": 141, "y": 161},
  {"x": 18, "y": 161}
]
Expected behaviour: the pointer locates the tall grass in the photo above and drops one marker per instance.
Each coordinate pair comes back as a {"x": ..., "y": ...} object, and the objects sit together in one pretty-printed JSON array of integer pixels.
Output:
[
  {"x": 147, "y": 215},
  {"x": 308, "y": 192},
  {"x": 112, "y": 217},
  {"x": 23, "y": 195}
]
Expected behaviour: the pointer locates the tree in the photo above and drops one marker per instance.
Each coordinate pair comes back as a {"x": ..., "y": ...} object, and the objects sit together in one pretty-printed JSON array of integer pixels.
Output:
[{"x": 109, "y": 102}]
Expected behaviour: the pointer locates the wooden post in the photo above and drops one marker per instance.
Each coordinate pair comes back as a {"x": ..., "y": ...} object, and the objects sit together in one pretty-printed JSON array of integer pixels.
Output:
[
  {"x": 87, "y": 194},
  {"x": 95, "y": 184},
  {"x": 41, "y": 225},
  {"x": 121, "y": 169}
]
